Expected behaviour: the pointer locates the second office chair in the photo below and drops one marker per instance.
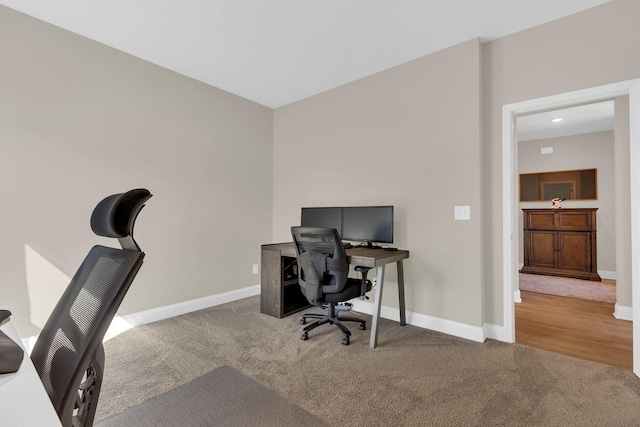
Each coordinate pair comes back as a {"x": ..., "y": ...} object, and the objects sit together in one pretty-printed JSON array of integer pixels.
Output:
[{"x": 323, "y": 271}]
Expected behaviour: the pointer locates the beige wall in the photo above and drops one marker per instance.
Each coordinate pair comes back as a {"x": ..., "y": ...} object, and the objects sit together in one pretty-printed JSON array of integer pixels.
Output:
[
  {"x": 408, "y": 137},
  {"x": 80, "y": 121},
  {"x": 592, "y": 150},
  {"x": 588, "y": 49}
]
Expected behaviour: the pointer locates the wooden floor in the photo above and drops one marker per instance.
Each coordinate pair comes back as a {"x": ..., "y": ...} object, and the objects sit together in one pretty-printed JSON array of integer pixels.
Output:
[{"x": 575, "y": 327}]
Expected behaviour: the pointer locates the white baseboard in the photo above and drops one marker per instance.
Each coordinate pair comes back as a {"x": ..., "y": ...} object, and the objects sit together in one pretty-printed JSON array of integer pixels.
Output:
[
  {"x": 449, "y": 327},
  {"x": 623, "y": 312},
  {"x": 122, "y": 323},
  {"x": 494, "y": 332},
  {"x": 607, "y": 274},
  {"x": 517, "y": 297}
]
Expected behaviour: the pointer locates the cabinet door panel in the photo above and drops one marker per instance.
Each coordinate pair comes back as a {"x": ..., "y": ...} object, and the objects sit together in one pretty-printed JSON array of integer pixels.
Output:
[
  {"x": 542, "y": 249},
  {"x": 575, "y": 251}
]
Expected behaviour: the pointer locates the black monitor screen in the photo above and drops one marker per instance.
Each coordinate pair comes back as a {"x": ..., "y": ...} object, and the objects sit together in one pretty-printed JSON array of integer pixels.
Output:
[
  {"x": 322, "y": 217},
  {"x": 368, "y": 224}
]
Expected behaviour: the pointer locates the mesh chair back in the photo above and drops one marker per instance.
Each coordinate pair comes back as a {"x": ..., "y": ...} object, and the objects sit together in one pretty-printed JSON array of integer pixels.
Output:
[
  {"x": 79, "y": 321},
  {"x": 68, "y": 354},
  {"x": 322, "y": 261}
]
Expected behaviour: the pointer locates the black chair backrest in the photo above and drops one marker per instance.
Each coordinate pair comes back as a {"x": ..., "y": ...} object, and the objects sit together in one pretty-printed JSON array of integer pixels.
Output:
[
  {"x": 322, "y": 261},
  {"x": 71, "y": 340}
]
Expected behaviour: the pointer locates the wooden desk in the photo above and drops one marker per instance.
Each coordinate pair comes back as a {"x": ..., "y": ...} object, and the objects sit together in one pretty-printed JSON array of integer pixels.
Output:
[
  {"x": 276, "y": 285},
  {"x": 23, "y": 399}
]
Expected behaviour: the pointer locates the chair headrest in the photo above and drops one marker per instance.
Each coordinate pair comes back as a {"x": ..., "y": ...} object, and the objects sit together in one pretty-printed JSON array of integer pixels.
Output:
[{"x": 115, "y": 215}]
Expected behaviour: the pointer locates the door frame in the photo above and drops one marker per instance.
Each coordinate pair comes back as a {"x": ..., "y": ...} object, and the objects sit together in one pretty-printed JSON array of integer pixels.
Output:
[
  {"x": 634, "y": 159},
  {"x": 509, "y": 192}
]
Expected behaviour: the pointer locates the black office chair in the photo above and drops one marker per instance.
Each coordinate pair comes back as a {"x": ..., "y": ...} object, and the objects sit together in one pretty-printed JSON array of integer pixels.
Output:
[
  {"x": 68, "y": 354},
  {"x": 323, "y": 272}
]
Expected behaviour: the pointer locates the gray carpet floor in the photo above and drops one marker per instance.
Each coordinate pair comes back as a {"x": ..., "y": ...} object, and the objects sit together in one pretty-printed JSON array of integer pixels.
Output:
[{"x": 415, "y": 377}]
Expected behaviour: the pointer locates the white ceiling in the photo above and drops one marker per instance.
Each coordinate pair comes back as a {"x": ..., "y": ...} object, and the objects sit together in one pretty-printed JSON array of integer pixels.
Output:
[
  {"x": 575, "y": 120},
  {"x": 275, "y": 52}
]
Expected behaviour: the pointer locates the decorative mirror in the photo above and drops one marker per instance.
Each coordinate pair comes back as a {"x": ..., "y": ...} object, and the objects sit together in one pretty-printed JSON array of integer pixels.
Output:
[{"x": 567, "y": 185}]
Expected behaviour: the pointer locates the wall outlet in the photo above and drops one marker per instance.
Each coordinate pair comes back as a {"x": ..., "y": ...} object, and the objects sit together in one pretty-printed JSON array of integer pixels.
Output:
[
  {"x": 255, "y": 268},
  {"x": 462, "y": 213}
]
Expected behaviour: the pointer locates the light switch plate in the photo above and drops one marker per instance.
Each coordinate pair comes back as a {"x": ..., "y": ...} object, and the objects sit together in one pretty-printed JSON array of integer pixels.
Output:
[{"x": 462, "y": 213}]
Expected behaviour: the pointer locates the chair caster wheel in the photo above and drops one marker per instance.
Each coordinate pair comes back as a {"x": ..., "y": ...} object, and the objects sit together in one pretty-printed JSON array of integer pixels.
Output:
[
  {"x": 304, "y": 337},
  {"x": 345, "y": 341},
  {"x": 362, "y": 327},
  {"x": 303, "y": 321}
]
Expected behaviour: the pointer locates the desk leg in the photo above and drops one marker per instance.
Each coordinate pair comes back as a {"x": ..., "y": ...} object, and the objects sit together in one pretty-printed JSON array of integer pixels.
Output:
[
  {"x": 377, "y": 304},
  {"x": 403, "y": 317}
]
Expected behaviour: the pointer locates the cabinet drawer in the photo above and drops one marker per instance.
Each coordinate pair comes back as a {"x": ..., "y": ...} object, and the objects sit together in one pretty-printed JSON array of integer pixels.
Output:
[
  {"x": 540, "y": 220},
  {"x": 575, "y": 221}
]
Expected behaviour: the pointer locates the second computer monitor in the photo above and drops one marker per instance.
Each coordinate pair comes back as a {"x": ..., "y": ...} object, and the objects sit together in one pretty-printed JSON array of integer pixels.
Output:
[
  {"x": 322, "y": 217},
  {"x": 368, "y": 224}
]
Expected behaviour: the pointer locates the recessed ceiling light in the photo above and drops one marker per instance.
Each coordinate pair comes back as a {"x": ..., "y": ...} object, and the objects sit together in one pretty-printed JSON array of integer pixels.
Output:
[{"x": 559, "y": 119}]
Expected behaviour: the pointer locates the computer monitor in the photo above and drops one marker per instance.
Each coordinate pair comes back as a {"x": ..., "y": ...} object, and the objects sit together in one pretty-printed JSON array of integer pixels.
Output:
[
  {"x": 368, "y": 224},
  {"x": 322, "y": 217}
]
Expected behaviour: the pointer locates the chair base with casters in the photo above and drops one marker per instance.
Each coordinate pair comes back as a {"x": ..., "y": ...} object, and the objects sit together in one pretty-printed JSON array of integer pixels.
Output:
[
  {"x": 332, "y": 312},
  {"x": 332, "y": 316}
]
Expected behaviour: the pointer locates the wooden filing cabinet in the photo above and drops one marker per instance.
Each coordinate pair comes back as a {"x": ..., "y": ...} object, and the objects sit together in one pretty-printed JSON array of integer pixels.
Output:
[{"x": 560, "y": 242}]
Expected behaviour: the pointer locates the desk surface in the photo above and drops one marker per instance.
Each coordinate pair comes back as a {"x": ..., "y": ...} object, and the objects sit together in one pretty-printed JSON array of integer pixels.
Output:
[
  {"x": 23, "y": 399},
  {"x": 357, "y": 256}
]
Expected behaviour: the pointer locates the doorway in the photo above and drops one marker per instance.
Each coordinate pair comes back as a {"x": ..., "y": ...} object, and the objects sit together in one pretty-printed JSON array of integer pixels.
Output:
[
  {"x": 510, "y": 220},
  {"x": 575, "y": 145}
]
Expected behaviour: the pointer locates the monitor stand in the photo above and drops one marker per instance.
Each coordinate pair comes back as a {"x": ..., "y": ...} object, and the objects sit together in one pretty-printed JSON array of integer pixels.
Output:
[{"x": 370, "y": 245}]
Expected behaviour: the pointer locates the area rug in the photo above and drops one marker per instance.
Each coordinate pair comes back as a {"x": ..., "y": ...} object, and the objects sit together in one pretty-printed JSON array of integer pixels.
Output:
[
  {"x": 604, "y": 291},
  {"x": 223, "y": 397}
]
